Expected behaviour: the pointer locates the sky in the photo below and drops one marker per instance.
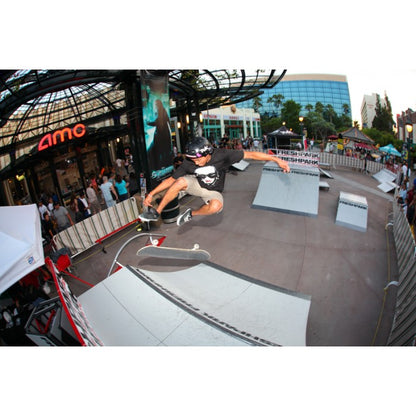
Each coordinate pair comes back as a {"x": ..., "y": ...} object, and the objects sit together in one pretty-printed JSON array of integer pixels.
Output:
[
  {"x": 368, "y": 41},
  {"x": 399, "y": 85}
]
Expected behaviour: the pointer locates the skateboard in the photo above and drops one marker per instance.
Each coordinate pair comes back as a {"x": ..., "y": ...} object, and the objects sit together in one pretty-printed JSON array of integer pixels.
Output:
[{"x": 175, "y": 253}]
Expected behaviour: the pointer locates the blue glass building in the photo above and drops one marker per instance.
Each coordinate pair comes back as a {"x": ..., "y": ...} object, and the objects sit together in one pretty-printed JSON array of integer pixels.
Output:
[{"x": 306, "y": 89}]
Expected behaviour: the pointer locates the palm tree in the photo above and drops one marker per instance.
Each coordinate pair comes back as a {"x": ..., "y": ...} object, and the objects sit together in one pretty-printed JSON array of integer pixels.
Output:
[
  {"x": 276, "y": 100},
  {"x": 329, "y": 113},
  {"x": 319, "y": 107},
  {"x": 346, "y": 108},
  {"x": 257, "y": 103}
]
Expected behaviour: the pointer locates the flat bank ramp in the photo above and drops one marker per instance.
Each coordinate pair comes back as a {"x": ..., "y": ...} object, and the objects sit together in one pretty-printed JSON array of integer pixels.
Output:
[
  {"x": 295, "y": 192},
  {"x": 204, "y": 305}
]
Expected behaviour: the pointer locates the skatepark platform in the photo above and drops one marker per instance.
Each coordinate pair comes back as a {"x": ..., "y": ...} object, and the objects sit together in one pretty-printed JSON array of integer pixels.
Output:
[
  {"x": 344, "y": 272},
  {"x": 352, "y": 211}
]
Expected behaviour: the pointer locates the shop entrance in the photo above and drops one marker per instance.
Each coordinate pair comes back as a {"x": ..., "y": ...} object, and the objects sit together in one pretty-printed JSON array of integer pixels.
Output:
[{"x": 17, "y": 191}]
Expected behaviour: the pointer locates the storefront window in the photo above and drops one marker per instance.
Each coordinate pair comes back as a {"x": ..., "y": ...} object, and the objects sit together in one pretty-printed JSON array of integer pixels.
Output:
[
  {"x": 68, "y": 175},
  {"x": 44, "y": 178},
  {"x": 234, "y": 128},
  {"x": 17, "y": 191},
  {"x": 90, "y": 161},
  {"x": 249, "y": 132}
]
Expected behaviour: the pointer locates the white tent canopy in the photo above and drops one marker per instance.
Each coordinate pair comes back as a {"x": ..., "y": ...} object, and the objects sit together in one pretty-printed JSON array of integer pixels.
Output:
[{"x": 21, "y": 249}]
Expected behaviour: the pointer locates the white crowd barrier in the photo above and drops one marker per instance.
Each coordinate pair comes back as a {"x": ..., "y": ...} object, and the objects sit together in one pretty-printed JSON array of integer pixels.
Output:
[
  {"x": 333, "y": 159},
  {"x": 86, "y": 233},
  {"x": 403, "y": 330}
]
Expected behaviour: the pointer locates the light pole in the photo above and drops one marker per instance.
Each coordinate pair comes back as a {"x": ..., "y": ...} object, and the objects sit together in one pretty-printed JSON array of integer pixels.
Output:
[
  {"x": 409, "y": 128},
  {"x": 301, "y": 129}
]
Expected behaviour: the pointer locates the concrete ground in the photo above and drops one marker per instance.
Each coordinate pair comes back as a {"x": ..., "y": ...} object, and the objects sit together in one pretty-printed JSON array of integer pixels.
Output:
[{"x": 343, "y": 270}]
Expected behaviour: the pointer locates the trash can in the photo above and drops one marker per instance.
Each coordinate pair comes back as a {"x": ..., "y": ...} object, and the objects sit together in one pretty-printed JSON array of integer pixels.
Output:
[{"x": 171, "y": 211}]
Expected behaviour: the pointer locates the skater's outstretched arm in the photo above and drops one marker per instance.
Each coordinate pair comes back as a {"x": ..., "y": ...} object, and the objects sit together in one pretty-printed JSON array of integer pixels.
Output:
[{"x": 267, "y": 158}]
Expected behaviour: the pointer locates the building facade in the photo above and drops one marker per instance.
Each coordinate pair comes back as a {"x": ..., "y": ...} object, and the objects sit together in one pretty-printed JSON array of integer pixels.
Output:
[
  {"x": 58, "y": 128},
  {"x": 406, "y": 117},
  {"x": 306, "y": 89},
  {"x": 368, "y": 109},
  {"x": 232, "y": 121}
]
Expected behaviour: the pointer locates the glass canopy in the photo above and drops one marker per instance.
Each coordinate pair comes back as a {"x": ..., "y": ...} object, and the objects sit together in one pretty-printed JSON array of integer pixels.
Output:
[{"x": 36, "y": 102}]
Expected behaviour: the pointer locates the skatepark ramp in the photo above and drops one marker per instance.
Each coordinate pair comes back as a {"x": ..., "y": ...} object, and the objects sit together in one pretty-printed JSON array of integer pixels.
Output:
[
  {"x": 295, "y": 192},
  {"x": 387, "y": 180},
  {"x": 203, "y": 305}
]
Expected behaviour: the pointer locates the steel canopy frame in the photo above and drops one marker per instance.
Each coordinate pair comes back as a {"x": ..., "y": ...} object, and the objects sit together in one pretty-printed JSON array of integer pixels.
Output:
[{"x": 32, "y": 101}]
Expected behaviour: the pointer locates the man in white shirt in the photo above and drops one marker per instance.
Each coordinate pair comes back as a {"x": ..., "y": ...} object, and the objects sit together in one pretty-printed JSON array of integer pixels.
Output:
[{"x": 42, "y": 210}]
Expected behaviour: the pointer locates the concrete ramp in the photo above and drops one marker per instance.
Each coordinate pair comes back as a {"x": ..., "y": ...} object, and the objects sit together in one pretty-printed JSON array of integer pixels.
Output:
[
  {"x": 204, "y": 305},
  {"x": 241, "y": 165},
  {"x": 325, "y": 173},
  {"x": 124, "y": 310},
  {"x": 387, "y": 180},
  {"x": 324, "y": 185},
  {"x": 296, "y": 192},
  {"x": 385, "y": 175},
  {"x": 352, "y": 211},
  {"x": 387, "y": 187}
]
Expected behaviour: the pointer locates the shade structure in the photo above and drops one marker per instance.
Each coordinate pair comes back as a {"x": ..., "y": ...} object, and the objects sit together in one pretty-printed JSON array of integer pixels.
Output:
[
  {"x": 390, "y": 149},
  {"x": 284, "y": 132},
  {"x": 282, "y": 136},
  {"x": 354, "y": 134},
  {"x": 21, "y": 249}
]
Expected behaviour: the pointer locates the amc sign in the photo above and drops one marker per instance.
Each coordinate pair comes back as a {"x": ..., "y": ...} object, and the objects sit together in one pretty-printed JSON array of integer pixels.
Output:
[{"x": 59, "y": 136}]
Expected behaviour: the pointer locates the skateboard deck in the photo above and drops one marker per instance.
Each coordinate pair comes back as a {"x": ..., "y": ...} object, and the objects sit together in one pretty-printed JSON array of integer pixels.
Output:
[{"x": 174, "y": 253}]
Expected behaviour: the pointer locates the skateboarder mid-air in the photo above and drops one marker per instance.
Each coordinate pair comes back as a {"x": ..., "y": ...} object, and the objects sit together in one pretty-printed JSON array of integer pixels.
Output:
[{"x": 201, "y": 174}]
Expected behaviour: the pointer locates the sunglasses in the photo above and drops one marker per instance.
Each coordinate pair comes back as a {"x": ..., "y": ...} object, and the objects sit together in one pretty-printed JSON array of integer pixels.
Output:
[{"x": 210, "y": 175}]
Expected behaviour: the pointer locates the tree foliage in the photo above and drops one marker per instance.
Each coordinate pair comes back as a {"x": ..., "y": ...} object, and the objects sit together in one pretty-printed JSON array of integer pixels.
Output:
[
  {"x": 269, "y": 124},
  {"x": 290, "y": 114},
  {"x": 257, "y": 103},
  {"x": 320, "y": 120},
  {"x": 276, "y": 100},
  {"x": 383, "y": 138},
  {"x": 383, "y": 119},
  {"x": 318, "y": 127}
]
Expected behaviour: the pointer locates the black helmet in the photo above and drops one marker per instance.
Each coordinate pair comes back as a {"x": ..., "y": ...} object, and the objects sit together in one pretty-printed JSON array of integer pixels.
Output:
[{"x": 198, "y": 147}]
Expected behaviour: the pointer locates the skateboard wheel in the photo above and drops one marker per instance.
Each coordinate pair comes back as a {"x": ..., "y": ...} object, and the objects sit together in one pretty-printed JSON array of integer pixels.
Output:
[{"x": 196, "y": 247}]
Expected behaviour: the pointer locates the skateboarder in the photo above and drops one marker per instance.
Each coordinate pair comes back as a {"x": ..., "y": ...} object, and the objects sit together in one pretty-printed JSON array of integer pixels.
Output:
[{"x": 201, "y": 174}]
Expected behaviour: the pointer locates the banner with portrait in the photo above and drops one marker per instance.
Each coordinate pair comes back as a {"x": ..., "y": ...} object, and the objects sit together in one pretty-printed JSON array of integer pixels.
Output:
[{"x": 156, "y": 120}]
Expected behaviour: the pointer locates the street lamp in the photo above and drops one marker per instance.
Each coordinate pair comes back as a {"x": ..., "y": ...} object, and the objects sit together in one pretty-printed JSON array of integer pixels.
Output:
[
  {"x": 301, "y": 129},
  {"x": 409, "y": 128}
]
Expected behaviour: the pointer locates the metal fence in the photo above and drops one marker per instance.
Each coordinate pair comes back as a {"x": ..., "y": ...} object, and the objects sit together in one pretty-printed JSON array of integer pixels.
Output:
[
  {"x": 362, "y": 165},
  {"x": 83, "y": 235},
  {"x": 403, "y": 330}
]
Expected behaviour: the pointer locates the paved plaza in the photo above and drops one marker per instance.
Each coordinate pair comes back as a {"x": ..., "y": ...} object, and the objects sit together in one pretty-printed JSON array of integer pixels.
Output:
[{"x": 344, "y": 271}]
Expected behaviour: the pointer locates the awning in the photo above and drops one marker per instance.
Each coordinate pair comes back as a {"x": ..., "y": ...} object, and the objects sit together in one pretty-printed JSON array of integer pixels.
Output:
[
  {"x": 21, "y": 249},
  {"x": 364, "y": 146}
]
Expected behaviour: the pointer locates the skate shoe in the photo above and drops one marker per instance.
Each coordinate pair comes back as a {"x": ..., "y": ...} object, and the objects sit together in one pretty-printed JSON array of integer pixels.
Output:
[
  {"x": 184, "y": 217},
  {"x": 150, "y": 215}
]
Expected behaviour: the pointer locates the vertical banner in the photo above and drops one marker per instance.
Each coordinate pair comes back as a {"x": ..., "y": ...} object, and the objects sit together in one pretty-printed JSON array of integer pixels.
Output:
[{"x": 156, "y": 115}]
